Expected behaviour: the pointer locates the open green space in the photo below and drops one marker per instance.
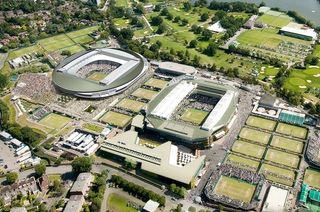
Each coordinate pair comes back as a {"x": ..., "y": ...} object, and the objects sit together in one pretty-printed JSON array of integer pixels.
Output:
[
  {"x": 92, "y": 127},
  {"x": 300, "y": 80},
  {"x": 28, "y": 50},
  {"x": 194, "y": 116},
  {"x": 97, "y": 76},
  {"x": 288, "y": 129},
  {"x": 235, "y": 189},
  {"x": 277, "y": 174},
  {"x": 242, "y": 162},
  {"x": 275, "y": 21},
  {"x": 157, "y": 83},
  {"x": 130, "y": 104},
  {"x": 144, "y": 93},
  {"x": 83, "y": 39},
  {"x": 283, "y": 158},
  {"x": 55, "y": 121},
  {"x": 73, "y": 49},
  {"x": 116, "y": 119},
  {"x": 82, "y": 32},
  {"x": 249, "y": 149},
  {"x": 316, "y": 51},
  {"x": 56, "y": 42},
  {"x": 268, "y": 71},
  {"x": 261, "y": 123},
  {"x": 255, "y": 135},
  {"x": 287, "y": 143},
  {"x": 122, "y": 3},
  {"x": 116, "y": 202},
  {"x": 312, "y": 178}
]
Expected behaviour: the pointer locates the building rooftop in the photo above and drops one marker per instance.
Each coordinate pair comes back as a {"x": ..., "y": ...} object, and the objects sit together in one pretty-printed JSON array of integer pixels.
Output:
[
  {"x": 216, "y": 27},
  {"x": 74, "y": 204},
  {"x": 18, "y": 209},
  {"x": 177, "y": 68},
  {"x": 151, "y": 206},
  {"x": 276, "y": 199},
  {"x": 300, "y": 29},
  {"x": 82, "y": 183}
]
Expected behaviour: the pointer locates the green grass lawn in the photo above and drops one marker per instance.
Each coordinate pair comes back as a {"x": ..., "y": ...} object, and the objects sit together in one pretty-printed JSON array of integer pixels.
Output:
[
  {"x": 267, "y": 169},
  {"x": 116, "y": 202},
  {"x": 242, "y": 162},
  {"x": 284, "y": 158},
  {"x": 194, "y": 116},
  {"x": 73, "y": 49},
  {"x": 316, "y": 51},
  {"x": 93, "y": 127},
  {"x": 275, "y": 21},
  {"x": 130, "y": 104},
  {"x": 23, "y": 51},
  {"x": 249, "y": 149},
  {"x": 144, "y": 93},
  {"x": 55, "y": 121},
  {"x": 56, "y": 42},
  {"x": 255, "y": 135},
  {"x": 116, "y": 119},
  {"x": 157, "y": 83},
  {"x": 268, "y": 71},
  {"x": 300, "y": 80},
  {"x": 83, "y": 39},
  {"x": 235, "y": 189},
  {"x": 97, "y": 76},
  {"x": 82, "y": 32},
  {"x": 261, "y": 123},
  {"x": 312, "y": 178},
  {"x": 287, "y": 129},
  {"x": 287, "y": 143}
]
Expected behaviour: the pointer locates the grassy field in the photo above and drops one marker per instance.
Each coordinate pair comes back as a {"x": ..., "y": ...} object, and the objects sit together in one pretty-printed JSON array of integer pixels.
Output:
[
  {"x": 269, "y": 71},
  {"x": 275, "y": 21},
  {"x": 287, "y": 143},
  {"x": 312, "y": 178},
  {"x": 55, "y": 121},
  {"x": 300, "y": 80},
  {"x": 284, "y": 158},
  {"x": 116, "y": 119},
  {"x": 92, "y": 127},
  {"x": 194, "y": 116},
  {"x": 249, "y": 149},
  {"x": 130, "y": 104},
  {"x": 97, "y": 76},
  {"x": 292, "y": 130},
  {"x": 242, "y": 162},
  {"x": 235, "y": 189},
  {"x": 144, "y": 93},
  {"x": 254, "y": 135},
  {"x": 23, "y": 51},
  {"x": 266, "y": 168},
  {"x": 82, "y": 32},
  {"x": 261, "y": 123},
  {"x": 122, "y": 3},
  {"x": 115, "y": 202},
  {"x": 316, "y": 51},
  {"x": 157, "y": 83},
  {"x": 83, "y": 39},
  {"x": 55, "y": 43},
  {"x": 73, "y": 49}
]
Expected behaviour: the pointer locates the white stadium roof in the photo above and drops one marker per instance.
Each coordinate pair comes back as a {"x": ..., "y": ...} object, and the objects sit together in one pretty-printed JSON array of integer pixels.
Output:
[
  {"x": 276, "y": 199},
  {"x": 300, "y": 30}
]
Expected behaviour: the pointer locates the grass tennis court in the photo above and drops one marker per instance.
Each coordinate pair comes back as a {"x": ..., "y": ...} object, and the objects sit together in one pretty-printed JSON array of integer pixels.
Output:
[
  {"x": 194, "y": 116},
  {"x": 23, "y": 51},
  {"x": 144, "y": 93},
  {"x": 130, "y": 104},
  {"x": 261, "y": 123},
  {"x": 235, "y": 189},
  {"x": 55, "y": 121},
  {"x": 254, "y": 135},
  {"x": 157, "y": 83},
  {"x": 292, "y": 130},
  {"x": 285, "y": 173},
  {"x": 248, "y": 149},
  {"x": 283, "y": 158},
  {"x": 97, "y": 76},
  {"x": 56, "y": 42},
  {"x": 73, "y": 49},
  {"x": 83, "y": 39},
  {"x": 312, "y": 178},
  {"x": 242, "y": 162},
  {"x": 287, "y": 143},
  {"x": 275, "y": 21},
  {"x": 116, "y": 119},
  {"x": 82, "y": 32}
]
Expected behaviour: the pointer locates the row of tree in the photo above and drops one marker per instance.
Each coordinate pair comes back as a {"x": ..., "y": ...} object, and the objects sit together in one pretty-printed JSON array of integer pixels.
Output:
[{"x": 96, "y": 192}]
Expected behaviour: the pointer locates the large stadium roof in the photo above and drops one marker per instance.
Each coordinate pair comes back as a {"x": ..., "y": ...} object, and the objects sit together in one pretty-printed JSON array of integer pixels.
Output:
[
  {"x": 177, "y": 68},
  {"x": 67, "y": 81}
]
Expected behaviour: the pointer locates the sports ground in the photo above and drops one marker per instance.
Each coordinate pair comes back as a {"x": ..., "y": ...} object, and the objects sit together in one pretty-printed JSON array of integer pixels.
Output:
[
  {"x": 287, "y": 143},
  {"x": 275, "y": 21},
  {"x": 235, "y": 189},
  {"x": 283, "y": 158},
  {"x": 242, "y": 162},
  {"x": 255, "y": 135},
  {"x": 144, "y": 93},
  {"x": 312, "y": 178},
  {"x": 97, "y": 76},
  {"x": 194, "y": 116},
  {"x": 130, "y": 104},
  {"x": 55, "y": 121},
  {"x": 277, "y": 171},
  {"x": 287, "y": 129},
  {"x": 116, "y": 119},
  {"x": 157, "y": 83},
  {"x": 261, "y": 123},
  {"x": 249, "y": 149}
]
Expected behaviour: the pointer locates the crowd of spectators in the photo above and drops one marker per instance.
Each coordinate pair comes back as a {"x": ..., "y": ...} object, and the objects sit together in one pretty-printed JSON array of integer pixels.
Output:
[
  {"x": 41, "y": 112},
  {"x": 105, "y": 67},
  {"x": 313, "y": 150}
]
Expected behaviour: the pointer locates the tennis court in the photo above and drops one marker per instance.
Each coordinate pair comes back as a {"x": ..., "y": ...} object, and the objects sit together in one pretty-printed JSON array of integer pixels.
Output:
[
  {"x": 235, "y": 189},
  {"x": 277, "y": 174},
  {"x": 255, "y": 135},
  {"x": 288, "y": 129},
  {"x": 144, "y": 93},
  {"x": 242, "y": 162},
  {"x": 130, "y": 104},
  {"x": 249, "y": 149},
  {"x": 157, "y": 83},
  {"x": 287, "y": 143},
  {"x": 194, "y": 116},
  {"x": 261, "y": 123},
  {"x": 55, "y": 121},
  {"x": 283, "y": 158},
  {"x": 116, "y": 119},
  {"x": 312, "y": 178}
]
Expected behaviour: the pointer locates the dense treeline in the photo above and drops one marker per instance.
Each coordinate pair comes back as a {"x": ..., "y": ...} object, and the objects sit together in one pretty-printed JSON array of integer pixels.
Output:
[
  {"x": 137, "y": 190},
  {"x": 234, "y": 7},
  {"x": 96, "y": 192},
  {"x": 24, "y": 134},
  {"x": 298, "y": 18}
]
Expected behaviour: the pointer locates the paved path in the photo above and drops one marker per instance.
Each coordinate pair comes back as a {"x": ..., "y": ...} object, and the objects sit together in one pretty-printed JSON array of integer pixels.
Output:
[{"x": 3, "y": 57}]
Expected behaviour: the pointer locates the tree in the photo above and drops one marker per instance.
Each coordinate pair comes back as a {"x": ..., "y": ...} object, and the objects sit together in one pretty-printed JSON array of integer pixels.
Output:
[
  {"x": 126, "y": 33},
  {"x": 187, "y": 5},
  {"x": 156, "y": 20},
  {"x": 206, "y": 34},
  {"x": 11, "y": 177},
  {"x": 40, "y": 169},
  {"x": 193, "y": 43},
  {"x": 4, "y": 81},
  {"x": 162, "y": 28},
  {"x": 204, "y": 17},
  {"x": 66, "y": 52},
  {"x": 82, "y": 164},
  {"x": 211, "y": 49}
]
